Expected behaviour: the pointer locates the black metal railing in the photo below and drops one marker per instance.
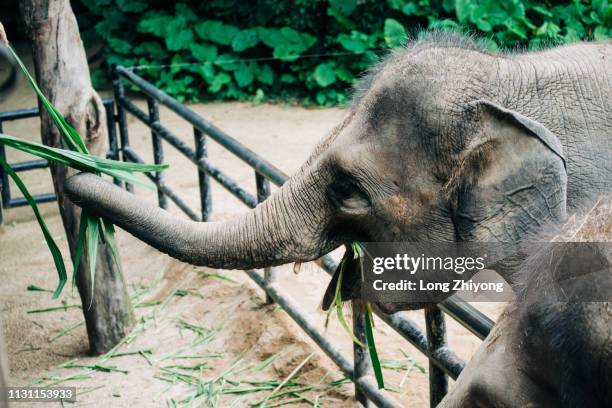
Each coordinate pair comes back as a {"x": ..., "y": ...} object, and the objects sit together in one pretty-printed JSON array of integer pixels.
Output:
[{"x": 432, "y": 343}]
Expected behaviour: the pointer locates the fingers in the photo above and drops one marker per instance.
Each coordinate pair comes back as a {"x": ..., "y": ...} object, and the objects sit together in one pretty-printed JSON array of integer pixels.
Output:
[{"x": 3, "y": 38}]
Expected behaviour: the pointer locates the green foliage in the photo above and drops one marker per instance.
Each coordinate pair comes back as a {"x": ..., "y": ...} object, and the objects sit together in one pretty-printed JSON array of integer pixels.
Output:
[
  {"x": 395, "y": 34},
  {"x": 310, "y": 51}
]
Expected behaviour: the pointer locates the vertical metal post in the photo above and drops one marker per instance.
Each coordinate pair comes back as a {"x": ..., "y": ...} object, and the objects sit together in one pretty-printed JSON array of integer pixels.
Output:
[
  {"x": 113, "y": 145},
  {"x": 436, "y": 339},
  {"x": 119, "y": 94},
  {"x": 4, "y": 188},
  {"x": 4, "y": 182},
  {"x": 201, "y": 152},
  {"x": 263, "y": 192},
  {"x": 361, "y": 356},
  {"x": 158, "y": 149}
]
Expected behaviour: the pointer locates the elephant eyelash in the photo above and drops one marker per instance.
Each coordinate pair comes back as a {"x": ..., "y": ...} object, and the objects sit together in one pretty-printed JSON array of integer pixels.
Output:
[{"x": 345, "y": 187}]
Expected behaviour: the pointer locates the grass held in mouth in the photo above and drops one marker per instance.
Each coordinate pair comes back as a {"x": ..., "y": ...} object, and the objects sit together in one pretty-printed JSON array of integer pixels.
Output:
[
  {"x": 356, "y": 251},
  {"x": 92, "y": 229}
]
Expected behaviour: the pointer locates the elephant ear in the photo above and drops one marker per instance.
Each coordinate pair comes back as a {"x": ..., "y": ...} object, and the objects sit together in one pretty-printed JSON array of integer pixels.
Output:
[{"x": 512, "y": 179}]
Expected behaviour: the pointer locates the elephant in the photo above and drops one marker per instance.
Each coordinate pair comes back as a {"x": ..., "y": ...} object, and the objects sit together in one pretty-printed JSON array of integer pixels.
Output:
[
  {"x": 444, "y": 142},
  {"x": 552, "y": 346}
]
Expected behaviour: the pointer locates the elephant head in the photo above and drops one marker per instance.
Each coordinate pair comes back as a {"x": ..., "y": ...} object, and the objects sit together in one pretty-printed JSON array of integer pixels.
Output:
[
  {"x": 552, "y": 347},
  {"x": 547, "y": 354},
  {"x": 420, "y": 156}
]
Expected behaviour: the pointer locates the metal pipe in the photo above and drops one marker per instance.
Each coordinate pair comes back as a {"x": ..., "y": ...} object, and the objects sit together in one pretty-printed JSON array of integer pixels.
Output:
[
  {"x": 158, "y": 149},
  {"x": 203, "y": 164},
  {"x": 131, "y": 155},
  {"x": 436, "y": 339},
  {"x": 124, "y": 138},
  {"x": 263, "y": 192},
  {"x": 366, "y": 384},
  {"x": 18, "y": 114},
  {"x": 30, "y": 165},
  {"x": 468, "y": 316},
  {"x": 111, "y": 126},
  {"x": 5, "y": 194},
  {"x": 113, "y": 147},
  {"x": 201, "y": 153},
  {"x": 361, "y": 355},
  {"x": 4, "y": 182},
  {"x": 26, "y": 113},
  {"x": 39, "y": 198},
  {"x": 443, "y": 358},
  {"x": 263, "y": 167}
]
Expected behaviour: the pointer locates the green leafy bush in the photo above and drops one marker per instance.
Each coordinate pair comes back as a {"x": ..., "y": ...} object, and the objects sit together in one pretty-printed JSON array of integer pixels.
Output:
[{"x": 307, "y": 50}]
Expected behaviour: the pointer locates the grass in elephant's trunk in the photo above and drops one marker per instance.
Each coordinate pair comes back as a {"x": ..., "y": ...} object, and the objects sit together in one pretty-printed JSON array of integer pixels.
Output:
[{"x": 92, "y": 228}]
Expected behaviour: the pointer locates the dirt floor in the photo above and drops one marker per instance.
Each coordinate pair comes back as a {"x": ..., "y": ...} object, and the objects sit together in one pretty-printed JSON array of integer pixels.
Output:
[{"x": 201, "y": 333}]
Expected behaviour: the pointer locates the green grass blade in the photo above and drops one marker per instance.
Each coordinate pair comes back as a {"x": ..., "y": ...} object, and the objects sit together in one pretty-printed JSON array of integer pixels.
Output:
[
  {"x": 358, "y": 252},
  {"x": 34, "y": 288},
  {"x": 288, "y": 378},
  {"x": 74, "y": 135},
  {"x": 83, "y": 162},
  {"x": 221, "y": 276},
  {"x": 80, "y": 246},
  {"x": 103, "y": 163},
  {"x": 262, "y": 366},
  {"x": 69, "y": 134},
  {"x": 338, "y": 305},
  {"x": 376, "y": 366},
  {"x": 40, "y": 150},
  {"x": 70, "y": 158},
  {"x": 129, "y": 178},
  {"x": 109, "y": 237},
  {"x": 65, "y": 331},
  {"x": 55, "y": 252},
  {"x": 346, "y": 326},
  {"x": 93, "y": 234},
  {"x": 63, "y": 308},
  {"x": 77, "y": 157},
  {"x": 369, "y": 322}
]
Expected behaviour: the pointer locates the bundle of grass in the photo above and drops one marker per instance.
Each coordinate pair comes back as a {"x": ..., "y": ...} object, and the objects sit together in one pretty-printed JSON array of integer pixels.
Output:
[
  {"x": 351, "y": 265},
  {"x": 92, "y": 228}
]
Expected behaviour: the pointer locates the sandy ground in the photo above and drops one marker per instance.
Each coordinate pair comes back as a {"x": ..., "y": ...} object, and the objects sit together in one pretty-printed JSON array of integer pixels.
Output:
[{"x": 196, "y": 329}]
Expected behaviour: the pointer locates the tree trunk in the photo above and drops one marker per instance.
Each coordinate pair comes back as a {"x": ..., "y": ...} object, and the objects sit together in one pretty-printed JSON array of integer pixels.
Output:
[{"x": 63, "y": 76}]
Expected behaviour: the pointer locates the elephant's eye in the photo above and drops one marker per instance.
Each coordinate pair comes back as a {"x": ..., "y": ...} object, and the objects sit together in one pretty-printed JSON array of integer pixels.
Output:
[{"x": 346, "y": 195}]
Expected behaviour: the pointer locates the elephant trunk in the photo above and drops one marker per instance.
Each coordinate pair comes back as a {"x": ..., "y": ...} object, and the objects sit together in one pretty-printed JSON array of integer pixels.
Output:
[{"x": 287, "y": 227}]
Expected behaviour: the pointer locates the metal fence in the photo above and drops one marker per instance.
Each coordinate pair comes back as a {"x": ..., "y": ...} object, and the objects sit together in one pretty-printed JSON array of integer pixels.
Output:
[{"x": 443, "y": 362}]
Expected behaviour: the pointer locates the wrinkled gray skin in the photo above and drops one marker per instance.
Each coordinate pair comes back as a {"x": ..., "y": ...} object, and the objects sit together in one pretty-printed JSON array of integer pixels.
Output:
[
  {"x": 545, "y": 355},
  {"x": 445, "y": 142},
  {"x": 546, "y": 351}
]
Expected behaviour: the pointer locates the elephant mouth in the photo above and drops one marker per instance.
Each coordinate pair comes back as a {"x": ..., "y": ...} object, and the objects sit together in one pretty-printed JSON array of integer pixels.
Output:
[{"x": 347, "y": 231}]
